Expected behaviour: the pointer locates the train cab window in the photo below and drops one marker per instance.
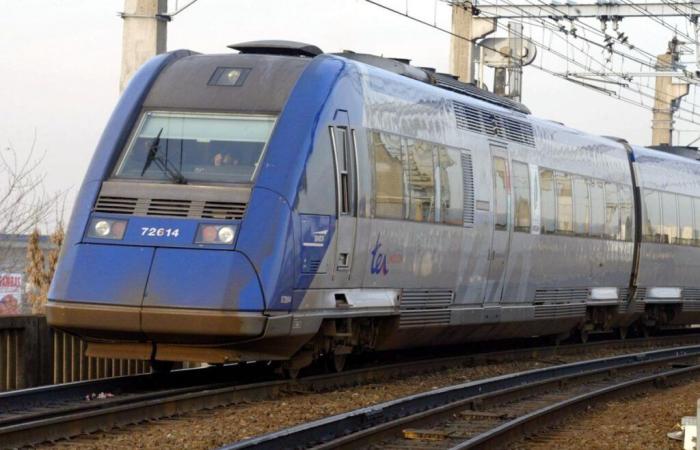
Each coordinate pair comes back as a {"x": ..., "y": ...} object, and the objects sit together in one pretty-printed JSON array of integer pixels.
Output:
[
  {"x": 582, "y": 207},
  {"x": 547, "y": 201},
  {"x": 388, "y": 176},
  {"x": 669, "y": 218},
  {"x": 696, "y": 226},
  {"x": 597, "y": 208},
  {"x": 626, "y": 217},
  {"x": 521, "y": 194},
  {"x": 565, "y": 221},
  {"x": 652, "y": 216},
  {"x": 685, "y": 220},
  {"x": 187, "y": 148},
  {"x": 451, "y": 188},
  {"x": 612, "y": 212},
  {"x": 421, "y": 180},
  {"x": 500, "y": 187}
]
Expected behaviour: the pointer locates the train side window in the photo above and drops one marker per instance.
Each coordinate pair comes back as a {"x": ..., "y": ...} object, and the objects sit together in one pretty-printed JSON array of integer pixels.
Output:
[
  {"x": 597, "y": 208},
  {"x": 685, "y": 219},
  {"x": 612, "y": 212},
  {"x": 669, "y": 216},
  {"x": 547, "y": 201},
  {"x": 388, "y": 176},
  {"x": 500, "y": 184},
  {"x": 582, "y": 207},
  {"x": 421, "y": 180},
  {"x": 521, "y": 193},
  {"x": 565, "y": 222},
  {"x": 696, "y": 227},
  {"x": 626, "y": 217},
  {"x": 451, "y": 188},
  {"x": 652, "y": 216}
]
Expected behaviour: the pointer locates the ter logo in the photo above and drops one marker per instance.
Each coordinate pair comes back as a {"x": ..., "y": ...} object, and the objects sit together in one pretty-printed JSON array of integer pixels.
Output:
[{"x": 378, "y": 260}]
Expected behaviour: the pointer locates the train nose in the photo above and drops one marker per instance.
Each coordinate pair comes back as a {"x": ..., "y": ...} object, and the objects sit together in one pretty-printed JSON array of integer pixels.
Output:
[{"x": 156, "y": 292}]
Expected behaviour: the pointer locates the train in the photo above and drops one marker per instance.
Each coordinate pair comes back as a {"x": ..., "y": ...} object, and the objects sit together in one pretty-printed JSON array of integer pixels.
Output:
[{"x": 283, "y": 204}]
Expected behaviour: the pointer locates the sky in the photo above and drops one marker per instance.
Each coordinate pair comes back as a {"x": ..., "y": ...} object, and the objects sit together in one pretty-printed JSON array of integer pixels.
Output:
[{"x": 60, "y": 64}]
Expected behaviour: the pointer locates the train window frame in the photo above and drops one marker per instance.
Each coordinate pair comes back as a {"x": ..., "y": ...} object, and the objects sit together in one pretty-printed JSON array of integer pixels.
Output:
[
  {"x": 543, "y": 209},
  {"x": 445, "y": 177},
  {"x": 419, "y": 150},
  {"x": 685, "y": 198},
  {"x": 126, "y": 149},
  {"x": 577, "y": 207},
  {"x": 561, "y": 176},
  {"x": 517, "y": 225},
  {"x": 612, "y": 198},
  {"x": 696, "y": 221},
  {"x": 671, "y": 204},
  {"x": 626, "y": 192},
  {"x": 598, "y": 185},
  {"x": 373, "y": 171},
  {"x": 650, "y": 231}
]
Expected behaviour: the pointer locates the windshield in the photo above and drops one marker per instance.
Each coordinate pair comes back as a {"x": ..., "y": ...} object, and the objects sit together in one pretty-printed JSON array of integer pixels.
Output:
[{"x": 199, "y": 147}]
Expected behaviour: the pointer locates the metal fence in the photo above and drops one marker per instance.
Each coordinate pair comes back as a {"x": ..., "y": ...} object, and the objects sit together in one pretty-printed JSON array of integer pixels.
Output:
[{"x": 32, "y": 354}]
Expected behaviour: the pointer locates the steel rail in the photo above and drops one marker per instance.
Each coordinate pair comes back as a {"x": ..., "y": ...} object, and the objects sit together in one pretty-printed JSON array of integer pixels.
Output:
[
  {"x": 53, "y": 412},
  {"x": 366, "y": 425}
]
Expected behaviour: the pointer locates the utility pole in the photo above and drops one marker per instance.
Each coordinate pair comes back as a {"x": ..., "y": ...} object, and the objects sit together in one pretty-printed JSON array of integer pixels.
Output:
[
  {"x": 467, "y": 28},
  {"x": 144, "y": 34},
  {"x": 667, "y": 96}
]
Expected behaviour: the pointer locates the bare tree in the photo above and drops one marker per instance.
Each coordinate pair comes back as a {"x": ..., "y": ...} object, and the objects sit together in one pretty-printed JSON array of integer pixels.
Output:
[{"x": 25, "y": 206}]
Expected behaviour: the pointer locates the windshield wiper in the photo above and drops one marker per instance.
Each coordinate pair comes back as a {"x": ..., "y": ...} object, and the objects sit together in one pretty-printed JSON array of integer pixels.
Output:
[{"x": 163, "y": 164}]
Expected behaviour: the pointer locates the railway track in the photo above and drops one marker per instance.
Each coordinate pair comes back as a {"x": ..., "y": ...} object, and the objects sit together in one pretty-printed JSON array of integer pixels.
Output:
[
  {"x": 54, "y": 412},
  {"x": 489, "y": 413}
]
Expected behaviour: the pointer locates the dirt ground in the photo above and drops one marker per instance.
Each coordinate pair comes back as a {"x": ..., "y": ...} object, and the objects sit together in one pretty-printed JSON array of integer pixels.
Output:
[{"x": 637, "y": 423}]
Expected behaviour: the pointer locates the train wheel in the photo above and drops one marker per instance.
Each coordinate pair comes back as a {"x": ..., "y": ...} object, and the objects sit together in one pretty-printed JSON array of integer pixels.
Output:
[
  {"x": 622, "y": 332},
  {"x": 583, "y": 336},
  {"x": 339, "y": 362}
]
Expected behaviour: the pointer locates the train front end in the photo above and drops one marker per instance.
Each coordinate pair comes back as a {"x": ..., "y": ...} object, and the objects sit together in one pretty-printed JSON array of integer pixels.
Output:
[{"x": 174, "y": 252}]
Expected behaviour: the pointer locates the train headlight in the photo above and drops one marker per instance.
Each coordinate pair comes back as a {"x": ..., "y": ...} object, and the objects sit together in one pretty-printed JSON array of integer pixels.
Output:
[
  {"x": 209, "y": 233},
  {"x": 225, "y": 234},
  {"x": 107, "y": 228}
]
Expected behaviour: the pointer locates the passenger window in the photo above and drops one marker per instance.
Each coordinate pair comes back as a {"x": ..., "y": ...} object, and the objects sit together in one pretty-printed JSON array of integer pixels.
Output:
[
  {"x": 521, "y": 193},
  {"x": 612, "y": 212},
  {"x": 696, "y": 226},
  {"x": 500, "y": 186},
  {"x": 565, "y": 223},
  {"x": 451, "y": 188},
  {"x": 626, "y": 217},
  {"x": 652, "y": 216},
  {"x": 597, "y": 207},
  {"x": 547, "y": 201},
  {"x": 421, "y": 181},
  {"x": 388, "y": 176},
  {"x": 582, "y": 207},
  {"x": 685, "y": 219},
  {"x": 669, "y": 218}
]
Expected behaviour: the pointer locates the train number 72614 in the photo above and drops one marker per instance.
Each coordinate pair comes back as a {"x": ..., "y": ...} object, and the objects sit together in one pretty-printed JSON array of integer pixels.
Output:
[{"x": 160, "y": 232}]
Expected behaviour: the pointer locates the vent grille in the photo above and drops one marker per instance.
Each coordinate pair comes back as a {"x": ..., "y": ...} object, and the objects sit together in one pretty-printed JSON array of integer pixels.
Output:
[
  {"x": 493, "y": 124},
  {"x": 555, "y": 310},
  {"x": 166, "y": 207},
  {"x": 421, "y": 307},
  {"x": 561, "y": 295},
  {"x": 692, "y": 295},
  {"x": 223, "y": 210},
  {"x": 312, "y": 266},
  {"x": 170, "y": 207},
  {"x": 116, "y": 205},
  {"x": 691, "y": 306},
  {"x": 468, "y": 189}
]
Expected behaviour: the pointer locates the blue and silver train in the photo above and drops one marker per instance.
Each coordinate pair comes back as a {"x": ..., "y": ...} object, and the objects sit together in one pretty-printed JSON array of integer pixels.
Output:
[{"x": 282, "y": 204}]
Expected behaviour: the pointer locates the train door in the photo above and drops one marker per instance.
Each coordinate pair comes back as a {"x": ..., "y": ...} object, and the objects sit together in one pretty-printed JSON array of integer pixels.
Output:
[
  {"x": 500, "y": 240},
  {"x": 345, "y": 156}
]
